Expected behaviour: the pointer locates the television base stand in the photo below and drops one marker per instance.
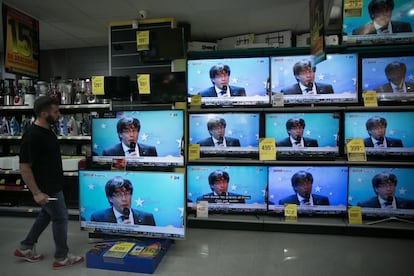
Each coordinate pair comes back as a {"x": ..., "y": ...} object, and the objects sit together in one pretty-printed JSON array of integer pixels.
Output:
[{"x": 389, "y": 219}]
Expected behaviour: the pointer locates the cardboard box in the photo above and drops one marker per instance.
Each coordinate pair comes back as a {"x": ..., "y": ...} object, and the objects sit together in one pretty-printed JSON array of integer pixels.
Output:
[
  {"x": 195, "y": 46},
  {"x": 279, "y": 39},
  {"x": 303, "y": 40},
  {"x": 233, "y": 42},
  {"x": 132, "y": 263}
]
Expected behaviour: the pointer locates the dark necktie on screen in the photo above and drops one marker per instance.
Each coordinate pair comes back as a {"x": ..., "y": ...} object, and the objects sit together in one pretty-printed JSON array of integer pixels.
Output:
[
  {"x": 388, "y": 203},
  {"x": 223, "y": 93},
  {"x": 384, "y": 30},
  {"x": 399, "y": 88},
  {"x": 305, "y": 201},
  {"x": 220, "y": 141}
]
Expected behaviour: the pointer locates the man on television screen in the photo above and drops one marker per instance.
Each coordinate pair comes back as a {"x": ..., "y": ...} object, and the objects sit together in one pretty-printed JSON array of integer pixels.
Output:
[
  {"x": 376, "y": 127},
  {"x": 295, "y": 127},
  {"x": 128, "y": 131},
  {"x": 304, "y": 73},
  {"x": 384, "y": 187},
  {"x": 217, "y": 129},
  {"x": 395, "y": 73},
  {"x": 380, "y": 12},
  {"x": 302, "y": 185},
  {"x": 219, "y": 76},
  {"x": 118, "y": 191},
  {"x": 219, "y": 182}
]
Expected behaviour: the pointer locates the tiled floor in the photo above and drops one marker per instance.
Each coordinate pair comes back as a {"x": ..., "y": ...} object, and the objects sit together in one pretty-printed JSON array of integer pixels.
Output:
[{"x": 229, "y": 252}]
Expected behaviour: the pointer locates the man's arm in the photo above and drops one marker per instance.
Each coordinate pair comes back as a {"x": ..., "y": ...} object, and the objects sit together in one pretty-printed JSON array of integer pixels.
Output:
[{"x": 28, "y": 178}]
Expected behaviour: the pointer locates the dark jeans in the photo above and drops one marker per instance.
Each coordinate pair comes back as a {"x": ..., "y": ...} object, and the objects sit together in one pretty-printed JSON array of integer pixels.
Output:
[{"x": 56, "y": 212}]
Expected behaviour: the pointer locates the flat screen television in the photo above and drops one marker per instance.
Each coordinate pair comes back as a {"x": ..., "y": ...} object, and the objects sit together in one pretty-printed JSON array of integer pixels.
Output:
[
  {"x": 333, "y": 81},
  {"x": 165, "y": 87},
  {"x": 390, "y": 135},
  {"x": 225, "y": 134},
  {"x": 382, "y": 191},
  {"x": 378, "y": 22},
  {"x": 132, "y": 203},
  {"x": 243, "y": 81},
  {"x": 314, "y": 189},
  {"x": 391, "y": 77},
  {"x": 311, "y": 135},
  {"x": 149, "y": 138},
  {"x": 227, "y": 188}
]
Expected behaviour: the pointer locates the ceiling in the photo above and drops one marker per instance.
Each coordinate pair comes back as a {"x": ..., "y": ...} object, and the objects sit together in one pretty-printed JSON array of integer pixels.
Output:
[{"x": 84, "y": 23}]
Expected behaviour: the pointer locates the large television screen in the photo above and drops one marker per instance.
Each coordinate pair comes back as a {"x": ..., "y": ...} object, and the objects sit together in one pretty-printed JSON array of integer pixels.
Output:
[
  {"x": 142, "y": 138},
  {"x": 304, "y": 135},
  {"x": 133, "y": 203},
  {"x": 227, "y": 188},
  {"x": 225, "y": 134},
  {"x": 332, "y": 81},
  {"x": 382, "y": 191},
  {"x": 378, "y": 22},
  {"x": 391, "y": 77},
  {"x": 386, "y": 134},
  {"x": 229, "y": 81},
  {"x": 314, "y": 189}
]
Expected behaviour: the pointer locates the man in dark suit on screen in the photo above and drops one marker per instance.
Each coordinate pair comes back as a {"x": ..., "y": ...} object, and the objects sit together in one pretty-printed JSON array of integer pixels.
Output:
[
  {"x": 217, "y": 129},
  {"x": 118, "y": 191},
  {"x": 295, "y": 127},
  {"x": 128, "y": 131},
  {"x": 376, "y": 127},
  {"x": 219, "y": 182},
  {"x": 395, "y": 73},
  {"x": 302, "y": 185},
  {"x": 380, "y": 12},
  {"x": 305, "y": 75},
  {"x": 384, "y": 187},
  {"x": 219, "y": 76}
]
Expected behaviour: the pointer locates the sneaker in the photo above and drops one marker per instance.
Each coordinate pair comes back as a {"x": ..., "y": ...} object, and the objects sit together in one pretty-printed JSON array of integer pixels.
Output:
[
  {"x": 68, "y": 261},
  {"x": 29, "y": 254}
]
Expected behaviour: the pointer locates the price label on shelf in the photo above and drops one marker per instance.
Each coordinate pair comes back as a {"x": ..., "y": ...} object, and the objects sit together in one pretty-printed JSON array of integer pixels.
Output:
[
  {"x": 355, "y": 149},
  {"x": 370, "y": 99},
  {"x": 291, "y": 212},
  {"x": 143, "y": 82},
  {"x": 143, "y": 40},
  {"x": 267, "y": 149},
  {"x": 98, "y": 87},
  {"x": 193, "y": 151},
  {"x": 195, "y": 101},
  {"x": 354, "y": 215}
]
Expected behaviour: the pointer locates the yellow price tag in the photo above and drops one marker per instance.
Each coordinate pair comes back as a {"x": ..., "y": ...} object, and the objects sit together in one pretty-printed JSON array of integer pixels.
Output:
[
  {"x": 370, "y": 99},
  {"x": 355, "y": 150},
  {"x": 98, "y": 87},
  {"x": 291, "y": 212},
  {"x": 354, "y": 215},
  {"x": 180, "y": 105},
  {"x": 143, "y": 82},
  {"x": 352, "y": 8},
  {"x": 195, "y": 101},
  {"x": 143, "y": 40},
  {"x": 267, "y": 149},
  {"x": 18, "y": 181},
  {"x": 193, "y": 151},
  {"x": 2, "y": 181}
]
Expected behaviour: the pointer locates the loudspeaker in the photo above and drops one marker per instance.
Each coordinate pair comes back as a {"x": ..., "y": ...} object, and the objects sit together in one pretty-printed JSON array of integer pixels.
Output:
[{"x": 117, "y": 87}]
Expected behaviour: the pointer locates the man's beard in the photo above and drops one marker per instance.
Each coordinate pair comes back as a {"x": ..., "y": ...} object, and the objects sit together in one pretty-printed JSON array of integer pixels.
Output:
[{"x": 50, "y": 120}]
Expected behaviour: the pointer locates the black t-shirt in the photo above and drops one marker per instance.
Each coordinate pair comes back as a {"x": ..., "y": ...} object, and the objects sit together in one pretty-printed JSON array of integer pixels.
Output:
[{"x": 40, "y": 147}]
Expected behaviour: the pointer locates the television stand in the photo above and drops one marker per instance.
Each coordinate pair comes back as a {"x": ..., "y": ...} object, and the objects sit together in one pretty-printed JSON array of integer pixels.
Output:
[{"x": 390, "y": 219}]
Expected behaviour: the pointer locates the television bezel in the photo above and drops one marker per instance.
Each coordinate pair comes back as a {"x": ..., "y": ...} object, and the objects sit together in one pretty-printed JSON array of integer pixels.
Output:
[
  {"x": 228, "y": 208},
  {"x": 370, "y": 214},
  {"x": 338, "y": 210},
  {"x": 91, "y": 226},
  {"x": 101, "y": 162},
  {"x": 380, "y": 96},
  {"x": 238, "y": 101},
  {"x": 223, "y": 153},
  {"x": 406, "y": 156},
  {"x": 310, "y": 100},
  {"x": 301, "y": 156}
]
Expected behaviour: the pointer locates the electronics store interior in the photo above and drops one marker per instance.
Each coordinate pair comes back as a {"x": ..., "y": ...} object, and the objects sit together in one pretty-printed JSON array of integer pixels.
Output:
[{"x": 248, "y": 134}]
